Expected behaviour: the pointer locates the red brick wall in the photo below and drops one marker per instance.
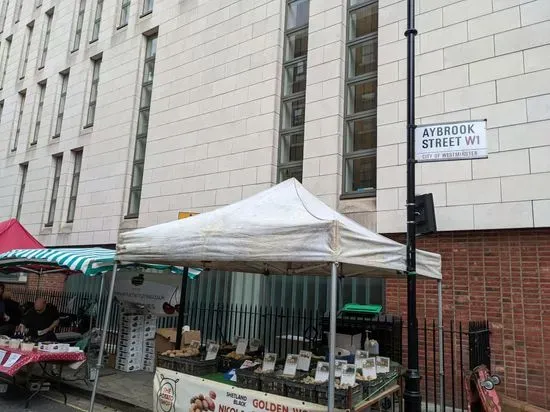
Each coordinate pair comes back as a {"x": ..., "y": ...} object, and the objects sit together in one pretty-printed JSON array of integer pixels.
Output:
[{"x": 502, "y": 276}]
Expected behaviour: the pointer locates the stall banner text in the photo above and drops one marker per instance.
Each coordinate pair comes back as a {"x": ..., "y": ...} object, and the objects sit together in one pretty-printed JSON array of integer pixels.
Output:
[
  {"x": 174, "y": 391},
  {"x": 451, "y": 141}
]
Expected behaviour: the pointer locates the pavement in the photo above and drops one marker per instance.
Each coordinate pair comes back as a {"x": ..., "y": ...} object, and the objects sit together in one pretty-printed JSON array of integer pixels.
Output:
[{"x": 14, "y": 400}]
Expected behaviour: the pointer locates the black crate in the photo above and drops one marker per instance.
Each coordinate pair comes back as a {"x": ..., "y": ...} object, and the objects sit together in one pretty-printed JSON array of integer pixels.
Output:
[
  {"x": 165, "y": 362},
  {"x": 247, "y": 378},
  {"x": 195, "y": 366},
  {"x": 274, "y": 383},
  {"x": 373, "y": 387},
  {"x": 302, "y": 391},
  {"x": 343, "y": 398}
]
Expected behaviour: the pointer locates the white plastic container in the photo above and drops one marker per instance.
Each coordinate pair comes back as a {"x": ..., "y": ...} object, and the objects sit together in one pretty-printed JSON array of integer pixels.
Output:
[
  {"x": 27, "y": 346},
  {"x": 14, "y": 343},
  {"x": 4, "y": 341}
]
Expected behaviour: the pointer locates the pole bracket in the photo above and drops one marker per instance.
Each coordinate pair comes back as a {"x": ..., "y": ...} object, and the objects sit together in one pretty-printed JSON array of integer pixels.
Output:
[{"x": 412, "y": 31}]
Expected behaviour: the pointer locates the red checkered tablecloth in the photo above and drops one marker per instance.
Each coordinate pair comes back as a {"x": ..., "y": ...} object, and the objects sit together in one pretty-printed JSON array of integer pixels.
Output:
[{"x": 36, "y": 356}]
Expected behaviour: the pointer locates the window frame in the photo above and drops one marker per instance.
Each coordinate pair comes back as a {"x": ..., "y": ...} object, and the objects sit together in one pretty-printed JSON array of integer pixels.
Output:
[
  {"x": 22, "y": 99},
  {"x": 4, "y": 15},
  {"x": 25, "y": 61},
  {"x": 77, "y": 168},
  {"x": 79, "y": 25},
  {"x": 5, "y": 61},
  {"x": 141, "y": 138},
  {"x": 58, "y": 164},
  {"x": 124, "y": 12},
  {"x": 350, "y": 81},
  {"x": 97, "y": 21},
  {"x": 145, "y": 11},
  {"x": 24, "y": 169},
  {"x": 287, "y": 168},
  {"x": 17, "y": 11},
  {"x": 39, "y": 112},
  {"x": 61, "y": 106},
  {"x": 94, "y": 86},
  {"x": 45, "y": 44}
]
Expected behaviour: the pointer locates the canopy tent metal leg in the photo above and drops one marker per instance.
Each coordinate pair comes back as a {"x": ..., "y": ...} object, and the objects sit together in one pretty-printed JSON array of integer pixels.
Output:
[
  {"x": 440, "y": 327},
  {"x": 98, "y": 306},
  {"x": 181, "y": 313},
  {"x": 104, "y": 335},
  {"x": 332, "y": 335}
]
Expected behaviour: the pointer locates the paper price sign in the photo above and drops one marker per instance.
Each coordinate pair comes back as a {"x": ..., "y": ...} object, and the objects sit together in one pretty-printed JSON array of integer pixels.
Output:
[
  {"x": 291, "y": 365},
  {"x": 269, "y": 362},
  {"x": 382, "y": 364},
  {"x": 339, "y": 368},
  {"x": 348, "y": 375},
  {"x": 322, "y": 371},
  {"x": 212, "y": 351},
  {"x": 304, "y": 361},
  {"x": 369, "y": 368},
  {"x": 360, "y": 356},
  {"x": 242, "y": 344}
]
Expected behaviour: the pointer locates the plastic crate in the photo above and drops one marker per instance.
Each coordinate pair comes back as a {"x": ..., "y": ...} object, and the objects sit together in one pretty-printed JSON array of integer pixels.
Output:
[
  {"x": 195, "y": 366},
  {"x": 371, "y": 388},
  {"x": 343, "y": 398},
  {"x": 248, "y": 379},
  {"x": 225, "y": 364},
  {"x": 165, "y": 362},
  {"x": 302, "y": 391},
  {"x": 274, "y": 383}
]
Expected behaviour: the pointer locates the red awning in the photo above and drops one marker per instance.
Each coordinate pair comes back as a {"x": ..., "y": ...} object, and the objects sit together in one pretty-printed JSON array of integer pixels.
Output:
[{"x": 14, "y": 236}]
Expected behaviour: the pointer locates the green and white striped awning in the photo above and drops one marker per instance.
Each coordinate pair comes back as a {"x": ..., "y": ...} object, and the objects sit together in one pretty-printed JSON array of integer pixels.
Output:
[{"x": 88, "y": 261}]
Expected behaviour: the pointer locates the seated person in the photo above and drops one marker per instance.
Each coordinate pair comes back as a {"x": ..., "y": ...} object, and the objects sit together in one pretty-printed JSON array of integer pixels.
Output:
[
  {"x": 12, "y": 315},
  {"x": 41, "y": 321}
]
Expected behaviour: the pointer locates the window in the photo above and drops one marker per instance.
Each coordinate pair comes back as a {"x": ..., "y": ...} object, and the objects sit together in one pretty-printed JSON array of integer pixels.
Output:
[
  {"x": 97, "y": 20},
  {"x": 142, "y": 127},
  {"x": 93, "y": 93},
  {"x": 77, "y": 157},
  {"x": 124, "y": 13},
  {"x": 23, "y": 169},
  {"x": 293, "y": 105},
  {"x": 4, "y": 14},
  {"x": 58, "y": 161},
  {"x": 5, "y": 60},
  {"x": 61, "y": 108},
  {"x": 17, "y": 11},
  {"x": 26, "y": 51},
  {"x": 49, "y": 18},
  {"x": 148, "y": 6},
  {"x": 360, "y": 140},
  {"x": 41, "y": 93},
  {"x": 79, "y": 23},
  {"x": 22, "y": 97}
]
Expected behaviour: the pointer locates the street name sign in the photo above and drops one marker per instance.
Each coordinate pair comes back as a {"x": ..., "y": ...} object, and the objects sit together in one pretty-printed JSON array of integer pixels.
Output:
[{"x": 451, "y": 141}]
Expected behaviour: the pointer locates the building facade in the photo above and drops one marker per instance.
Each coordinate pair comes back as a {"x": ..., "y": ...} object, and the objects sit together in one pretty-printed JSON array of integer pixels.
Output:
[{"x": 118, "y": 114}]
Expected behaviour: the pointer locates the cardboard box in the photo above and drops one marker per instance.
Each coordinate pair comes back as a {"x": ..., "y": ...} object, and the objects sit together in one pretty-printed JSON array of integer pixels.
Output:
[{"x": 166, "y": 339}]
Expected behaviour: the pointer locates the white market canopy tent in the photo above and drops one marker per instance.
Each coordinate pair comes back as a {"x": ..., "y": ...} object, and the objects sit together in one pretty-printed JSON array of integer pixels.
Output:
[{"x": 283, "y": 230}]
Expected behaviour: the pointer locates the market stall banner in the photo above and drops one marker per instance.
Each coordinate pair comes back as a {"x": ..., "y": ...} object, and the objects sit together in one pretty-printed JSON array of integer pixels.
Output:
[
  {"x": 154, "y": 291},
  {"x": 178, "y": 392}
]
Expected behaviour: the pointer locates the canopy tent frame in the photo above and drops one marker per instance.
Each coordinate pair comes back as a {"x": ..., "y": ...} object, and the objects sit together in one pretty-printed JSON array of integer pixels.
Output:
[{"x": 262, "y": 244}]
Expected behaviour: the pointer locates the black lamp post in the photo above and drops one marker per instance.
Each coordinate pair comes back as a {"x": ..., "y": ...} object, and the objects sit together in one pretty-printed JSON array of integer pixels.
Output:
[{"x": 412, "y": 395}]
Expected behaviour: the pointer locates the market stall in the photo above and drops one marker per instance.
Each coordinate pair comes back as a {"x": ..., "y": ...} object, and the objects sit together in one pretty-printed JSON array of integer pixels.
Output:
[
  {"x": 284, "y": 230},
  {"x": 89, "y": 262}
]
